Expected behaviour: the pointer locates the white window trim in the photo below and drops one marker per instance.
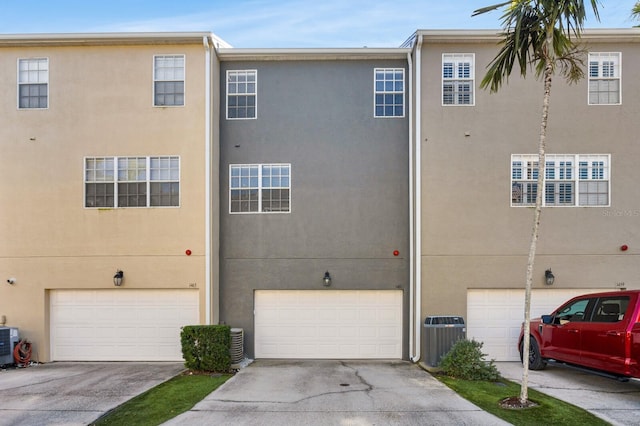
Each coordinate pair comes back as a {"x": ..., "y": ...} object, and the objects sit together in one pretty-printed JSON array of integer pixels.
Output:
[
  {"x": 260, "y": 188},
  {"x": 18, "y": 83},
  {"x": 472, "y": 79},
  {"x": 619, "y": 77},
  {"x": 255, "y": 94},
  {"x": 153, "y": 82},
  {"x": 115, "y": 181},
  {"x": 383, "y": 92},
  {"x": 576, "y": 158}
]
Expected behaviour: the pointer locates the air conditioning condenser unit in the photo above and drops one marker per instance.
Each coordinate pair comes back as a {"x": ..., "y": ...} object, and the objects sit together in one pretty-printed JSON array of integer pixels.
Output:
[{"x": 9, "y": 338}]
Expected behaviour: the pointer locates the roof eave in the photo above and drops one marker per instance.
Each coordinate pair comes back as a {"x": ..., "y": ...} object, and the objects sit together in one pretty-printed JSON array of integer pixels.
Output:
[
  {"x": 484, "y": 36},
  {"x": 361, "y": 53},
  {"x": 93, "y": 39}
]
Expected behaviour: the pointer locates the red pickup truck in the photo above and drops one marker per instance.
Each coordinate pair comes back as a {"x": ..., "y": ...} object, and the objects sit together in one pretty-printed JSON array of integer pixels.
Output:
[{"x": 598, "y": 331}]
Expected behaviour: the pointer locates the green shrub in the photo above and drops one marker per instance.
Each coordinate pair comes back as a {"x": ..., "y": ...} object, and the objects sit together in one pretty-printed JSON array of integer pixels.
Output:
[
  {"x": 466, "y": 361},
  {"x": 206, "y": 347}
]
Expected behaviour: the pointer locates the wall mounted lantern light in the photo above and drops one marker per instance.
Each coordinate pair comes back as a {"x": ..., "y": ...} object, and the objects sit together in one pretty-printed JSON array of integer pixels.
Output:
[
  {"x": 117, "y": 278},
  {"x": 326, "y": 280},
  {"x": 549, "y": 278}
]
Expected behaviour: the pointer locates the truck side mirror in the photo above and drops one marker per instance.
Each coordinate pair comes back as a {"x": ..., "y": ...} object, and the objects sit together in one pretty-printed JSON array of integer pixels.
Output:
[{"x": 547, "y": 319}]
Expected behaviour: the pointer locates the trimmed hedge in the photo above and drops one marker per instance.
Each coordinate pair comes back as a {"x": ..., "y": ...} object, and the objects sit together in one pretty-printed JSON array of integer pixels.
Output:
[{"x": 206, "y": 347}]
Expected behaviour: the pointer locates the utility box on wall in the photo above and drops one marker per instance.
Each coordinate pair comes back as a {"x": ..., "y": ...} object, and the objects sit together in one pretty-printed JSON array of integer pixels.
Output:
[
  {"x": 9, "y": 338},
  {"x": 440, "y": 333}
]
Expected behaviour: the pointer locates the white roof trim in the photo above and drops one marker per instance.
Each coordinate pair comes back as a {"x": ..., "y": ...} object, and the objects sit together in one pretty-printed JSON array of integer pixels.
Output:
[
  {"x": 479, "y": 36},
  {"x": 360, "y": 53},
  {"x": 58, "y": 39}
]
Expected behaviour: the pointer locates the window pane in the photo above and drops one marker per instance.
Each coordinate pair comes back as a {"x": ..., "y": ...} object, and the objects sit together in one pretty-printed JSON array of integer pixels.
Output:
[
  {"x": 99, "y": 195},
  {"x": 132, "y": 195},
  {"x": 32, "y": 96},
  {"x": 165, "y": 194}
]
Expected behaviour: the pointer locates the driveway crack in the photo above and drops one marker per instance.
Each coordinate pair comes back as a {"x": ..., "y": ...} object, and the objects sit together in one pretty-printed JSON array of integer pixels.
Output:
[{"x": 367, "y": 390}]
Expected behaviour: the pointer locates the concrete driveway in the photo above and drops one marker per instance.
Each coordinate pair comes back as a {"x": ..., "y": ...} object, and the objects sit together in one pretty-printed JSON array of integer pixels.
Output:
[
  {"x": 64, "y": 393},
  {"x": 311, "y": 392},
  {"x": 616, "y": 402}
]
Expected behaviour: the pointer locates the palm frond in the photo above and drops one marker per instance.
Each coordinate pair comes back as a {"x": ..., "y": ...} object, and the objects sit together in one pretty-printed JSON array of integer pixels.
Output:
[
  {"x": 538, "y": 34},
  {"x": 635, "y": 12},
  {"x": 489, "y": 8}
]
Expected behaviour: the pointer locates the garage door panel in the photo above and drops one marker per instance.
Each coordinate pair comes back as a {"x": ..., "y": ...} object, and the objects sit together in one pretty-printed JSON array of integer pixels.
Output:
[
  {"x": 494, "y": 316},
  {"x": 120, "y": 325},
  {"x": 329, "y": 315},
  {"x": 328, "y": 324}
]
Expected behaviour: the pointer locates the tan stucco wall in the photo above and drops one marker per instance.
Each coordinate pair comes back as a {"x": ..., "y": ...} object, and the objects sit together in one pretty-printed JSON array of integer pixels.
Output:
[
  {"x": 100, "y": 104},
  {"x": 471, "y": 236}
]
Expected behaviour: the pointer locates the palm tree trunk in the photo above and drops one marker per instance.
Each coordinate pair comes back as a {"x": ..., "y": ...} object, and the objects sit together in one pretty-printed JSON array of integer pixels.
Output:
[{"x": 524, "y": 389}]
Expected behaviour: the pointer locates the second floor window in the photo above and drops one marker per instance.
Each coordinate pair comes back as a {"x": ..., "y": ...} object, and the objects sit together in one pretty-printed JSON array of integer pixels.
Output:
[
  {"x": 260, "y": 188},
  {"x": 570, "y": 180},
  {"x": 241, "y": 94},
  {"x": 132, "y": 181},
  {"x": 33, "y": 83},
  {"x": 458, "y": 79},
  {"x": 604, "y": 79},
  {"x": 168, "y": 80}
]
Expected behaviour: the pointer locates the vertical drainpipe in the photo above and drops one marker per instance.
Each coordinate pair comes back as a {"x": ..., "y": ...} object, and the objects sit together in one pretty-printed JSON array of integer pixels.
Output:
[
  {"x": 207, "y": 171},
  {"x": 411, "y": 213},
  {"x": 418, "y": 203}
]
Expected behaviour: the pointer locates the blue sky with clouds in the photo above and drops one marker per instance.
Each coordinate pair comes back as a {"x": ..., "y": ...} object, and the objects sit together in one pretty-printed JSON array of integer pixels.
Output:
[{"x": 271, "y": 23}]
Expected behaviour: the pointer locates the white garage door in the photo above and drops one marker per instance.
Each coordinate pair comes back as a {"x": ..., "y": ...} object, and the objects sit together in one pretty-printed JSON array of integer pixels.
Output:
[
  {"x": 120, "y": 324},
  {"x": 494, "y": 317},
  {"x": 333, "y": 324}
]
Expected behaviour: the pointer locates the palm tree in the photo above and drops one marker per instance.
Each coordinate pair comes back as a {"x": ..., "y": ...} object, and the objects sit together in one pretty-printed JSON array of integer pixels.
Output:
[
  {"x": 539, "y": 34},
  {"x": 635, "y": 12}
]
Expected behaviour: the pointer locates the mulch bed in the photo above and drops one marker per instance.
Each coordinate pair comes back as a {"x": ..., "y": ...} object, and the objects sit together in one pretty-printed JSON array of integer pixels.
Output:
[{"x": 514, "y": 403}]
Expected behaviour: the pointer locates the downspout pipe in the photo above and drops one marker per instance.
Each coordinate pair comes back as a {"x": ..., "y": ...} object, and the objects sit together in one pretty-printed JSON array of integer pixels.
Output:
[
  {"x": 208, "y": 42},
  {"x": 418, "y": 202},
  {"x": 411, "y": 212}
]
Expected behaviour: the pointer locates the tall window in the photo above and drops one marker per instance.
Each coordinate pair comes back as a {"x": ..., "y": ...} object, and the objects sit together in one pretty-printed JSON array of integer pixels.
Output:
[
  {"x": 458, "y": 73},
  {"x": 260, "y": 188},
  {"x": 604, "y": 79},
  {"x": 389, "y": 92},
  {"x": 33, "y": 83},
  {"x": 570, "y": 180},
  {"x": 168, "y": 80},
  {"x": 132, "y": 181},
  {"x": 241, "y": 94}
]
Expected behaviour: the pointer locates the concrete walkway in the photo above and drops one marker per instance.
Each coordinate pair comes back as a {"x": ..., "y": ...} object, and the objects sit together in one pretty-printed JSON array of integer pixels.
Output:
[
  {"x": 613, "y": 401},
  {"x": 311, "y": 392}
]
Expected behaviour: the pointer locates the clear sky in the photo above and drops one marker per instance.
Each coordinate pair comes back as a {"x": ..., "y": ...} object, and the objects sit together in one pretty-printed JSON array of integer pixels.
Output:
[{"x": 271, "y": 23}]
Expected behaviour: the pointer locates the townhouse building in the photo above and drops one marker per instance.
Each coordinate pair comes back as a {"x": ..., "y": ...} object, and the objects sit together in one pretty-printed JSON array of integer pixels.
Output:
[
  {"x": 314, "y": 223},
  {"x": 120, "y": 129},
  {"x": 476, "y": 173},
  {"x": 324, "y": 200}
]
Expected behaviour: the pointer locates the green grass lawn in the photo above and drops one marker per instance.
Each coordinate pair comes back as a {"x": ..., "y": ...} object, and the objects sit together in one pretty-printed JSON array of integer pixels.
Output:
[
  {"x": 549, "y": 411},
  {"x": 164, "y": 402}
]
